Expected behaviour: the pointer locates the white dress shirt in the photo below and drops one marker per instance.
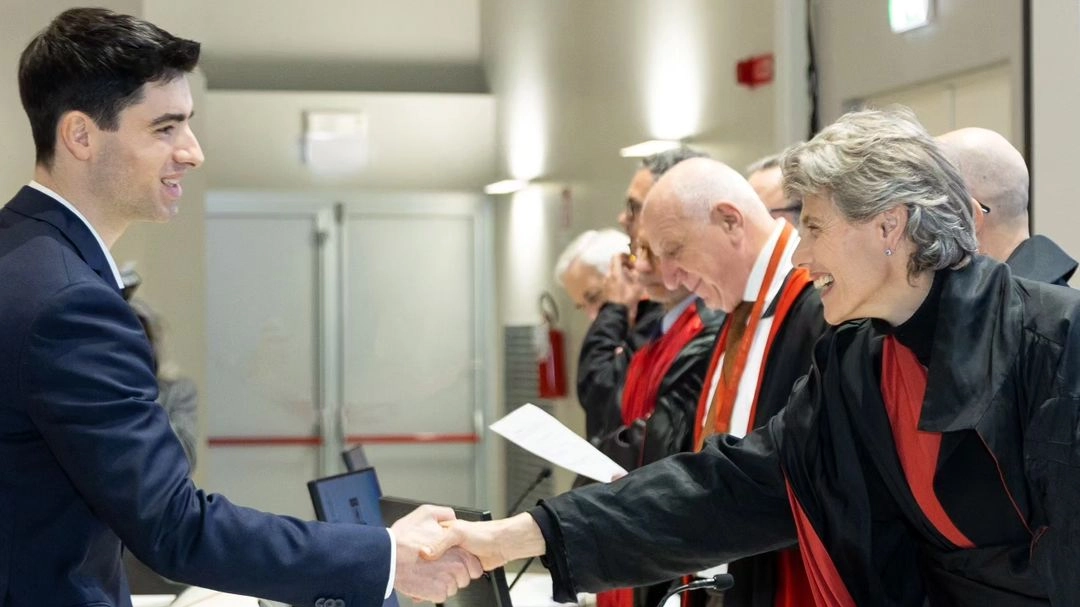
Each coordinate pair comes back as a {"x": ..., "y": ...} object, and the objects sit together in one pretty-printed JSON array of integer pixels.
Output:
[{"x": 673, "y": 314}]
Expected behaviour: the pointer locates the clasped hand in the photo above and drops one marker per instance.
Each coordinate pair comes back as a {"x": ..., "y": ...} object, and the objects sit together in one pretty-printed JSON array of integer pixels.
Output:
[{"x": 437, "y": 554}]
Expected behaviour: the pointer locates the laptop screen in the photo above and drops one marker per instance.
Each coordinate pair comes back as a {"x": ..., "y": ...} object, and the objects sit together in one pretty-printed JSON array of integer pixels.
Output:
[
  {"x": 352, "y": 497},
  {"x": 488, "y": 591}
]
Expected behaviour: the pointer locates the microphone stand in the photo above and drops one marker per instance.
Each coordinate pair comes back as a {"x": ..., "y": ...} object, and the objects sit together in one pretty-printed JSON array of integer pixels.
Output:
[
  {"x": 717, "y": 583},
  {"x": 544, "y": 473}
]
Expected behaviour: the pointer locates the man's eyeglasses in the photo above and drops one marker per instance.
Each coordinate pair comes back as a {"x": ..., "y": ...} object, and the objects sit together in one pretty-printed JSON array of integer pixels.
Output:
[
  {"x": 792, "y": 211},
  {"x": 985, "y": 209}
]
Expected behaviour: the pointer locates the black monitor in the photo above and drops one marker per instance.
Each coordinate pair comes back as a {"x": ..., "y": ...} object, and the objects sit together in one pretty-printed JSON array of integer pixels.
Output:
[
  {"x": 488, "y": 591},
  {"x": 352, "y": 497}
]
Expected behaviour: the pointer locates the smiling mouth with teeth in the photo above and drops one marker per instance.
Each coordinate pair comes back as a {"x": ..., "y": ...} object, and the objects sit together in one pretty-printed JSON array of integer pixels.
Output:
[{"x": 822, "y": 281}]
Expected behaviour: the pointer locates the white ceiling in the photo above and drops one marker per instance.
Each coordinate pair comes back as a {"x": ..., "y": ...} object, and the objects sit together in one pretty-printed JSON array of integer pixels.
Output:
[{"x": 371, "y": 45}]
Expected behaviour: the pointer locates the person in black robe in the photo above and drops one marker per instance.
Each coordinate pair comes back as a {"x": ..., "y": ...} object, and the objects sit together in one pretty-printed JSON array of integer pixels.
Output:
[{"x": 928, "y": 457}]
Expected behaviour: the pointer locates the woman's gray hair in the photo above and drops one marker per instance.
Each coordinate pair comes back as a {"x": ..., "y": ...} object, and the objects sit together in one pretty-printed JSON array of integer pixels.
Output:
[
  {"x": 594, "y": 248},
  {"x": 870, "y": 161}
]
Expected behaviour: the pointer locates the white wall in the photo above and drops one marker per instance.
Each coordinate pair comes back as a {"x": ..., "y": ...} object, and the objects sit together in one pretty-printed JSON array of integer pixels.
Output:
[
  {"x": 578, "y": 80},
  {"x": 859, "y": 56},
  {"x": 1055, "y": 122},
  {"x": 334, "y": 45},
  {"x": 418, "y": 141}
]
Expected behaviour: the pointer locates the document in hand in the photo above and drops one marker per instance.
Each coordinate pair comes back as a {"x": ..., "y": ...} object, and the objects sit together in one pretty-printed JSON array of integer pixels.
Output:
[{"x": 530, "y": 428}]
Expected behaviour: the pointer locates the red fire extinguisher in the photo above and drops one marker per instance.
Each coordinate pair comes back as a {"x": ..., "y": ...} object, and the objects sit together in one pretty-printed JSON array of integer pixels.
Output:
[{"x": 550, "y": 350}]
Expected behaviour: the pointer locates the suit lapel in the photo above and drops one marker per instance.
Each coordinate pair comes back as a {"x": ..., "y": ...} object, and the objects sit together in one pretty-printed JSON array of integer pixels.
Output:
[{"x": 39, "y": 206}]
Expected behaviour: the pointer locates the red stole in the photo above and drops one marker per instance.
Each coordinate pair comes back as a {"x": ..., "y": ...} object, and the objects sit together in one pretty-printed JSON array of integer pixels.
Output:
[
  {"x": 796, "y": 282},
  {"x": 621, "y": 597},
  {"x": 826, "y": 585},
  {"x": 903, "y": 387},
  {"x": 651, "y": 363},
  {"x": 724, "y": 397}
]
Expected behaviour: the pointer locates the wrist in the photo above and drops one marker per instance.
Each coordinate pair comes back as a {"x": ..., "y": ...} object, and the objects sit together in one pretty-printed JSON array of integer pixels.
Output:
[{"x": 521, "y": 537}]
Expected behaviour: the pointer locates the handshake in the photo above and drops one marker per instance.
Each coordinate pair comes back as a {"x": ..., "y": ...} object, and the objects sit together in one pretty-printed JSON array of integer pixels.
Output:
[{"x": 437, "y": 554}]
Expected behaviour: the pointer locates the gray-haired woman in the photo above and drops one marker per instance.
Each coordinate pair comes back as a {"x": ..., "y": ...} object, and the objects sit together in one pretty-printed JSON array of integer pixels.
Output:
[{"x": 931, "y": 450}]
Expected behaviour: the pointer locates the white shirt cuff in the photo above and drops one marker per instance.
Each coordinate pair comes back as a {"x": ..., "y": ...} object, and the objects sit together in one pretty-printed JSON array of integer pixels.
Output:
[{"x": 393, "y": 565}]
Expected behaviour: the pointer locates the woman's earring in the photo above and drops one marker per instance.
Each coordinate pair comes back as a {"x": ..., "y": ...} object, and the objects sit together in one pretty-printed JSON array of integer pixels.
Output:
[{"x": 888, "y": 252}]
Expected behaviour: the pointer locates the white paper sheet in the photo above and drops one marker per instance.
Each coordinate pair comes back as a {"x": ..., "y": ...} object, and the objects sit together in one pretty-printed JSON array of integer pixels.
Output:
[{"x": 530, "y": 428}]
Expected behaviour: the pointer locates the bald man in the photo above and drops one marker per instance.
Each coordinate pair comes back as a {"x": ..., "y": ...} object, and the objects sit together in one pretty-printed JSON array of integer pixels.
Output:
[
  {"x": 997, "y": 178},
  {"x": 711, "y": 234}
]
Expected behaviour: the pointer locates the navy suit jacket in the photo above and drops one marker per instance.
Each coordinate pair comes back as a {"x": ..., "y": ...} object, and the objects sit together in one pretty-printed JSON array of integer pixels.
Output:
[{"x": 88, "y": 462}]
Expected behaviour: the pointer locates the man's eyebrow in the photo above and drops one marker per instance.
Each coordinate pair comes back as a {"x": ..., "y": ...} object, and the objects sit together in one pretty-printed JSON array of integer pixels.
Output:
[{"x": 171, "y": 117}]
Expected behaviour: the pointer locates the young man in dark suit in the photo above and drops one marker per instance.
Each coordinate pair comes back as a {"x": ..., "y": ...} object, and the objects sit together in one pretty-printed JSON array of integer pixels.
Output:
[{"x": 88, "y": 462}]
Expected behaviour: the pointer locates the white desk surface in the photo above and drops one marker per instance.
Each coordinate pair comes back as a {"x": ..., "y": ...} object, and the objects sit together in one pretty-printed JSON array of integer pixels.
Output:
[
  {"x": 194, "y": 597},
  {"x": 152, "y": 600},
  {"x": 534, "y": 590}
]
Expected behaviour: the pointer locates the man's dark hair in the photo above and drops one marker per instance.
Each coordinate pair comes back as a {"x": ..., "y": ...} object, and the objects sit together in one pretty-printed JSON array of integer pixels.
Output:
[
  {"x": 658, "y": 164},
  {"x": 95, "y": 61}
]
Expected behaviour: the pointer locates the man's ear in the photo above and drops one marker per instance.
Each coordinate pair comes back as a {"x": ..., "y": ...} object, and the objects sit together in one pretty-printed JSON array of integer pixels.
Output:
[
  {"x": 726, "y": 215},
  {"x": 75, "y": 133}
]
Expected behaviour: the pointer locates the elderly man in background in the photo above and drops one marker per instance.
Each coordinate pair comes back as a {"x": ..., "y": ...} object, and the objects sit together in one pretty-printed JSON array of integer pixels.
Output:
[
  {"x": 582, "y": 269},
  {"x": 765, "y": 177},
  {"x": 997, "y": 179}
]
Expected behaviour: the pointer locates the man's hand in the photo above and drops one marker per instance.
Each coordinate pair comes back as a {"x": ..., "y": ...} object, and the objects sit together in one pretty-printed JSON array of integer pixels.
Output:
[
  {"x": 496, "y": 542},
  {"x": 428, "y": 567},
  {"x": 621, "y": 285}
]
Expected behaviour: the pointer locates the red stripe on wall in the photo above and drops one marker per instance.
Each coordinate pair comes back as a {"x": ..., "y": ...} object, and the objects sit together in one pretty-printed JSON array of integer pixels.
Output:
[{"x": 421, "y": 438}]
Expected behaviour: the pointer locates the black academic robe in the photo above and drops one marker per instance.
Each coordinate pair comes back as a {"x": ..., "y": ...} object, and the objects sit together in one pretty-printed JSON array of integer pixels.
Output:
[
  {"x": 670, "y": 428},
  {"x": 1003, "y": 390},
  {"x": 1039, "y": 258},
  {"x": 605, "y": 355}
]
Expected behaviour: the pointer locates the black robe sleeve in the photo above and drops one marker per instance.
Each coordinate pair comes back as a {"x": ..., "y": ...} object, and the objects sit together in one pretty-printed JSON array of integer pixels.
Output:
[
  {"x": 679, "y": 515},
  {"x": 1052, "y": 458},
  {"x": 670, "y": 428},
  {"x": 605, "y": 355}
]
